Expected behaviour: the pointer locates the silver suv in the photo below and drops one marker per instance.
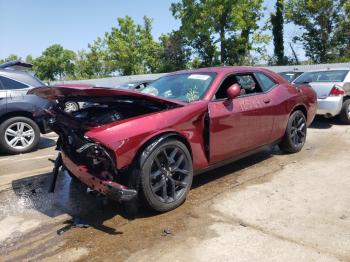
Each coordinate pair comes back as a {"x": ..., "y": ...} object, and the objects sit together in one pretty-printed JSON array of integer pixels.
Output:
[
  {"x": 22, "y": 116},
  {"x": 333, "y": 91}
]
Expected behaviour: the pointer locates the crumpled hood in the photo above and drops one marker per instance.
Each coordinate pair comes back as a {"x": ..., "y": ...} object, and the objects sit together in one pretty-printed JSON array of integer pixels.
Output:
[{"x": 57, "y": 92}]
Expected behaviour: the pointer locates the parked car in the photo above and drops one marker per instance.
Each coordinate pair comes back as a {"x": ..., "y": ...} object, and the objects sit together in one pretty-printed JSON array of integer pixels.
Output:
[
  {"x": 333, "y": 91},
  {"x": 22, "y": 116},
  {"x": 290, "y": 76},
  {"x": 71, "y": 106},
  {"x": 151, "y": 143},
  {"x": 134, "y": 84}
]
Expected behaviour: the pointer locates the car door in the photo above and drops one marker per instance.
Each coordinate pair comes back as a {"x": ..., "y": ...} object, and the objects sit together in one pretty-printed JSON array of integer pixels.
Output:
[
  {"x": 241, "y": 124},
  {"x": 3, "y": 103}
]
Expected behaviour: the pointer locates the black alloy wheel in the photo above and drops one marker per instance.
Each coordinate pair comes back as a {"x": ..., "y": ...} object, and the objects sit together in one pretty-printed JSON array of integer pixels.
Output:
[
  {"x": 298, "y": 130},
  {"x": 166, "y": 176},
  {"x": 295, "y": 135}
]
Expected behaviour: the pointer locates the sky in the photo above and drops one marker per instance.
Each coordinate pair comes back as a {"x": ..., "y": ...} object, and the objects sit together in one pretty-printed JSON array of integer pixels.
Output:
[{"x": 30, "y": 26}]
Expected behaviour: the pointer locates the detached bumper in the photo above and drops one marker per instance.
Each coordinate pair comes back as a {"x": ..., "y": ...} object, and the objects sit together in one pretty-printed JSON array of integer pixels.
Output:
[
  {"x": 329, "y": 106},
  {"x": 109, "y": 188}
]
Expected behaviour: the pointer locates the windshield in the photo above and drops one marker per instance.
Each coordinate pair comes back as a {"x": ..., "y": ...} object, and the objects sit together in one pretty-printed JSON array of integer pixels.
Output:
[
  {"x": 182, "y": 87},
  {"x": 322, "y": 76}
]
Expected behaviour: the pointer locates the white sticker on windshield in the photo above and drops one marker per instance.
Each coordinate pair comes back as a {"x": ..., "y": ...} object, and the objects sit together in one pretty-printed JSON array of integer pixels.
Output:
[{"x": 199, "y": 77}]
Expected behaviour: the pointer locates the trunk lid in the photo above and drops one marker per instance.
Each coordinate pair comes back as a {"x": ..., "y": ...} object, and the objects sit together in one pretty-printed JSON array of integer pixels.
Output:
[
  {"x": 79, "y": 91},
  {"x": 323, "y": 89}
]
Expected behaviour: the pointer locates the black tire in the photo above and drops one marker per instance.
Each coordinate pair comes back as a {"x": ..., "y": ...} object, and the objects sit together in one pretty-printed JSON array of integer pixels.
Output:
[
  {"x": 345, "y": 112},
  {"x": 16, "y": 149},
  {"x": 295, "y": 135},
  {"x": 174, "y": 175}
]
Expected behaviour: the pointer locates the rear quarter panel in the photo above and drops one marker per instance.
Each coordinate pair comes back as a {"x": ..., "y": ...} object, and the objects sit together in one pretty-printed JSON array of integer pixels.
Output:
[{"x": 287, "y": 98}]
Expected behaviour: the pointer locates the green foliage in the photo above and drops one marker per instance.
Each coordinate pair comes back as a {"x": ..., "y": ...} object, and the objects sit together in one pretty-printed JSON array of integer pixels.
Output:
[
  {"x": 342, "y": 33},
  {"x": 11, "y": 57},
  {"x": 55, "y": 63},
  {"x": 131, "y": 48},
  {"x": 174, "y": 54},
  {"x": 319, "y": 20},
  {"x": 277, "y": 21},
  {"x": 211, "y": 23},
  {"x": 93, "y": 63}
]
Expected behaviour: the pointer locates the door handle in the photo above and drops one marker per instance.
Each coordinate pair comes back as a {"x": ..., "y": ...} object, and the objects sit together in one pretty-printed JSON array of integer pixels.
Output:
[{"x": 267, "y": 101}]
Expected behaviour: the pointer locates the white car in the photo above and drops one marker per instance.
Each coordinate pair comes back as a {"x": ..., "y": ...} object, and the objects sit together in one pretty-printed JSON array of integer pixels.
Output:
[{"x": 333, "y": 91}]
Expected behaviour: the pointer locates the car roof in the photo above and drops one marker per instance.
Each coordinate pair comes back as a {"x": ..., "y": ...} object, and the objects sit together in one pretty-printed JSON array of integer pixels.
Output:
[
  {"x": 226, "y": 70},
  {"x": 223, "y": 69},
  {"x": 21, "y": 76},
  {"x": 328, "y": 69}
]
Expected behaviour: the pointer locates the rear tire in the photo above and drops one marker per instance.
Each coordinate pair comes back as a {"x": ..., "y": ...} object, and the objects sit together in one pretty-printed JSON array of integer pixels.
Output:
[
  {"x": 345, "y": 112},
  {"x": 166, "y": 175},
  {"x": 19, "y": 135},
  {"x": 295, "y": 135}
]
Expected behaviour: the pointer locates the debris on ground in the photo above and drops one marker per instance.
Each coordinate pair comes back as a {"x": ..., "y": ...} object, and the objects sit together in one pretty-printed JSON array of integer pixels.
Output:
[
  {"x": 166, "y": 232},
  {"x": 74, "y": 223}
]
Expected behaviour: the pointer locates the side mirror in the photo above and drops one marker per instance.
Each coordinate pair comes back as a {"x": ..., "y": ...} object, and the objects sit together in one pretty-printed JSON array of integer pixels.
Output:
[{"x": 233, "y": 91}]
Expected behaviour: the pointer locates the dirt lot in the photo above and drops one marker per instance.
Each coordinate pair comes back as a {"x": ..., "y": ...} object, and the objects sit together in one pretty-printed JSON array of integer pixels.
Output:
[{"x": 267, "y": 207}]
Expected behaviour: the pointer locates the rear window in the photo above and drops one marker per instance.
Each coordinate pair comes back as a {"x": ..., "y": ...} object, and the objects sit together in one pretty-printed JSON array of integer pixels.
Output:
[
  {"x": 10, "y": 84},
  {"x": 322, "y": 76}
]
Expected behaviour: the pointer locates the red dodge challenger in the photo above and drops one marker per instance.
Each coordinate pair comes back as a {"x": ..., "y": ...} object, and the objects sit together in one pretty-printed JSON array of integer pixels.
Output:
[{"x": 148, "y": 144}]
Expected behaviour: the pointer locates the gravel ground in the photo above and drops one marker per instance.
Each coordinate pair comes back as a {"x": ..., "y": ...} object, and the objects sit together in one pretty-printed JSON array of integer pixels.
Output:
[{"x": 267, "y": 207}]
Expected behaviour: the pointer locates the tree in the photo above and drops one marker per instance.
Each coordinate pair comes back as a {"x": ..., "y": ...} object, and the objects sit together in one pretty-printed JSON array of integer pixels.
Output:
[
  {"x": 93, "y": 63},
  {"x": 175, "y": 54},
  {"x": 11, "y": 57},
  {"x": 226, "y": 24},
  {"x": 29, "y": 59},
  {"x": 277, "y": 22},
  {"x": 131, "y": 48},
  {"x": 54, "y": 63},
  {"x": 343, "y": 33},
  {"x": 319, "y": 20}
]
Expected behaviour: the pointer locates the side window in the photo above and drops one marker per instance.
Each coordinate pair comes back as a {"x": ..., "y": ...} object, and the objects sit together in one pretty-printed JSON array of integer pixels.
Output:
[
  {"x": 266, "y": 82},
  {"x": 10, "y": 84},
  {"x": 222, "y": 91},
  {"x": 249, "y": 84}
]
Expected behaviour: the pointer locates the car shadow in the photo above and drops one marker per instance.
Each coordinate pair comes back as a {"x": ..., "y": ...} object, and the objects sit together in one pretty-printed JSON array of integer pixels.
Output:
[
  {"x": 229, "y": 169},
  {"x": 321, "y": 122},
  {"x": 72, "y": 198},
  {"x": 46, "y": 142}
]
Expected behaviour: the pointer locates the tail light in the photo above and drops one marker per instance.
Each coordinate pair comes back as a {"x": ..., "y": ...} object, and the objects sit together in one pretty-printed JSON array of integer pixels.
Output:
[{"x": 337, "y": 91}]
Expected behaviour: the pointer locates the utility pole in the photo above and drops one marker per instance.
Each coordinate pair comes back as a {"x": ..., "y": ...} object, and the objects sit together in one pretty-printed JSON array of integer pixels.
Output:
[{"x": 295, "y": 55}]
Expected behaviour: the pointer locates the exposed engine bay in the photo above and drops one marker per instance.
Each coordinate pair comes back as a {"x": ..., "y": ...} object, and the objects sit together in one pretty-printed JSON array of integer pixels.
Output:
[{"x": 71, "y": 128}]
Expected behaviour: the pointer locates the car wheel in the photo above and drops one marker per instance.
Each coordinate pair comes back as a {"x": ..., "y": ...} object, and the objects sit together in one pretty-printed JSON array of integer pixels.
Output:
[
  {"x": 295, "y": 135},
  {"x": 345, "y": 112},
  {"x": 71, "y": 106},
  {"x": 19, "y": 135},
  {"x": 166, "y": 175}
]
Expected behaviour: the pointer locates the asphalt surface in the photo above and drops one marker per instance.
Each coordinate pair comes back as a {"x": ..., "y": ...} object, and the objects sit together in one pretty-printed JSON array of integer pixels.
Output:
[{"x": 267, "y": 207}]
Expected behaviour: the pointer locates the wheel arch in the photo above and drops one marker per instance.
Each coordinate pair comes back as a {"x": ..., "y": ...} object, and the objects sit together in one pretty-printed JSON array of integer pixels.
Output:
[
  {"x": 140, "y": 156},
  {"x": 302, "y": 108},
  {"x": 22, "y": 113}
]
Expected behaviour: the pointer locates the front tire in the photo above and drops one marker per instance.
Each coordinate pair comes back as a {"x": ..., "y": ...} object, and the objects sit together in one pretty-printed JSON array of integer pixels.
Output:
[
  {"x": 295, "y": 135},
  {"x": 166, "y": 175},
  {"x": 345, "y": 112},
  {"x": 19, "y": 135}
]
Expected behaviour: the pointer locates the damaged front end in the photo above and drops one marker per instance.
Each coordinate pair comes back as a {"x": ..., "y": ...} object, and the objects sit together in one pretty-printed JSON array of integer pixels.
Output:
[{"x": 94, "y": 163}]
